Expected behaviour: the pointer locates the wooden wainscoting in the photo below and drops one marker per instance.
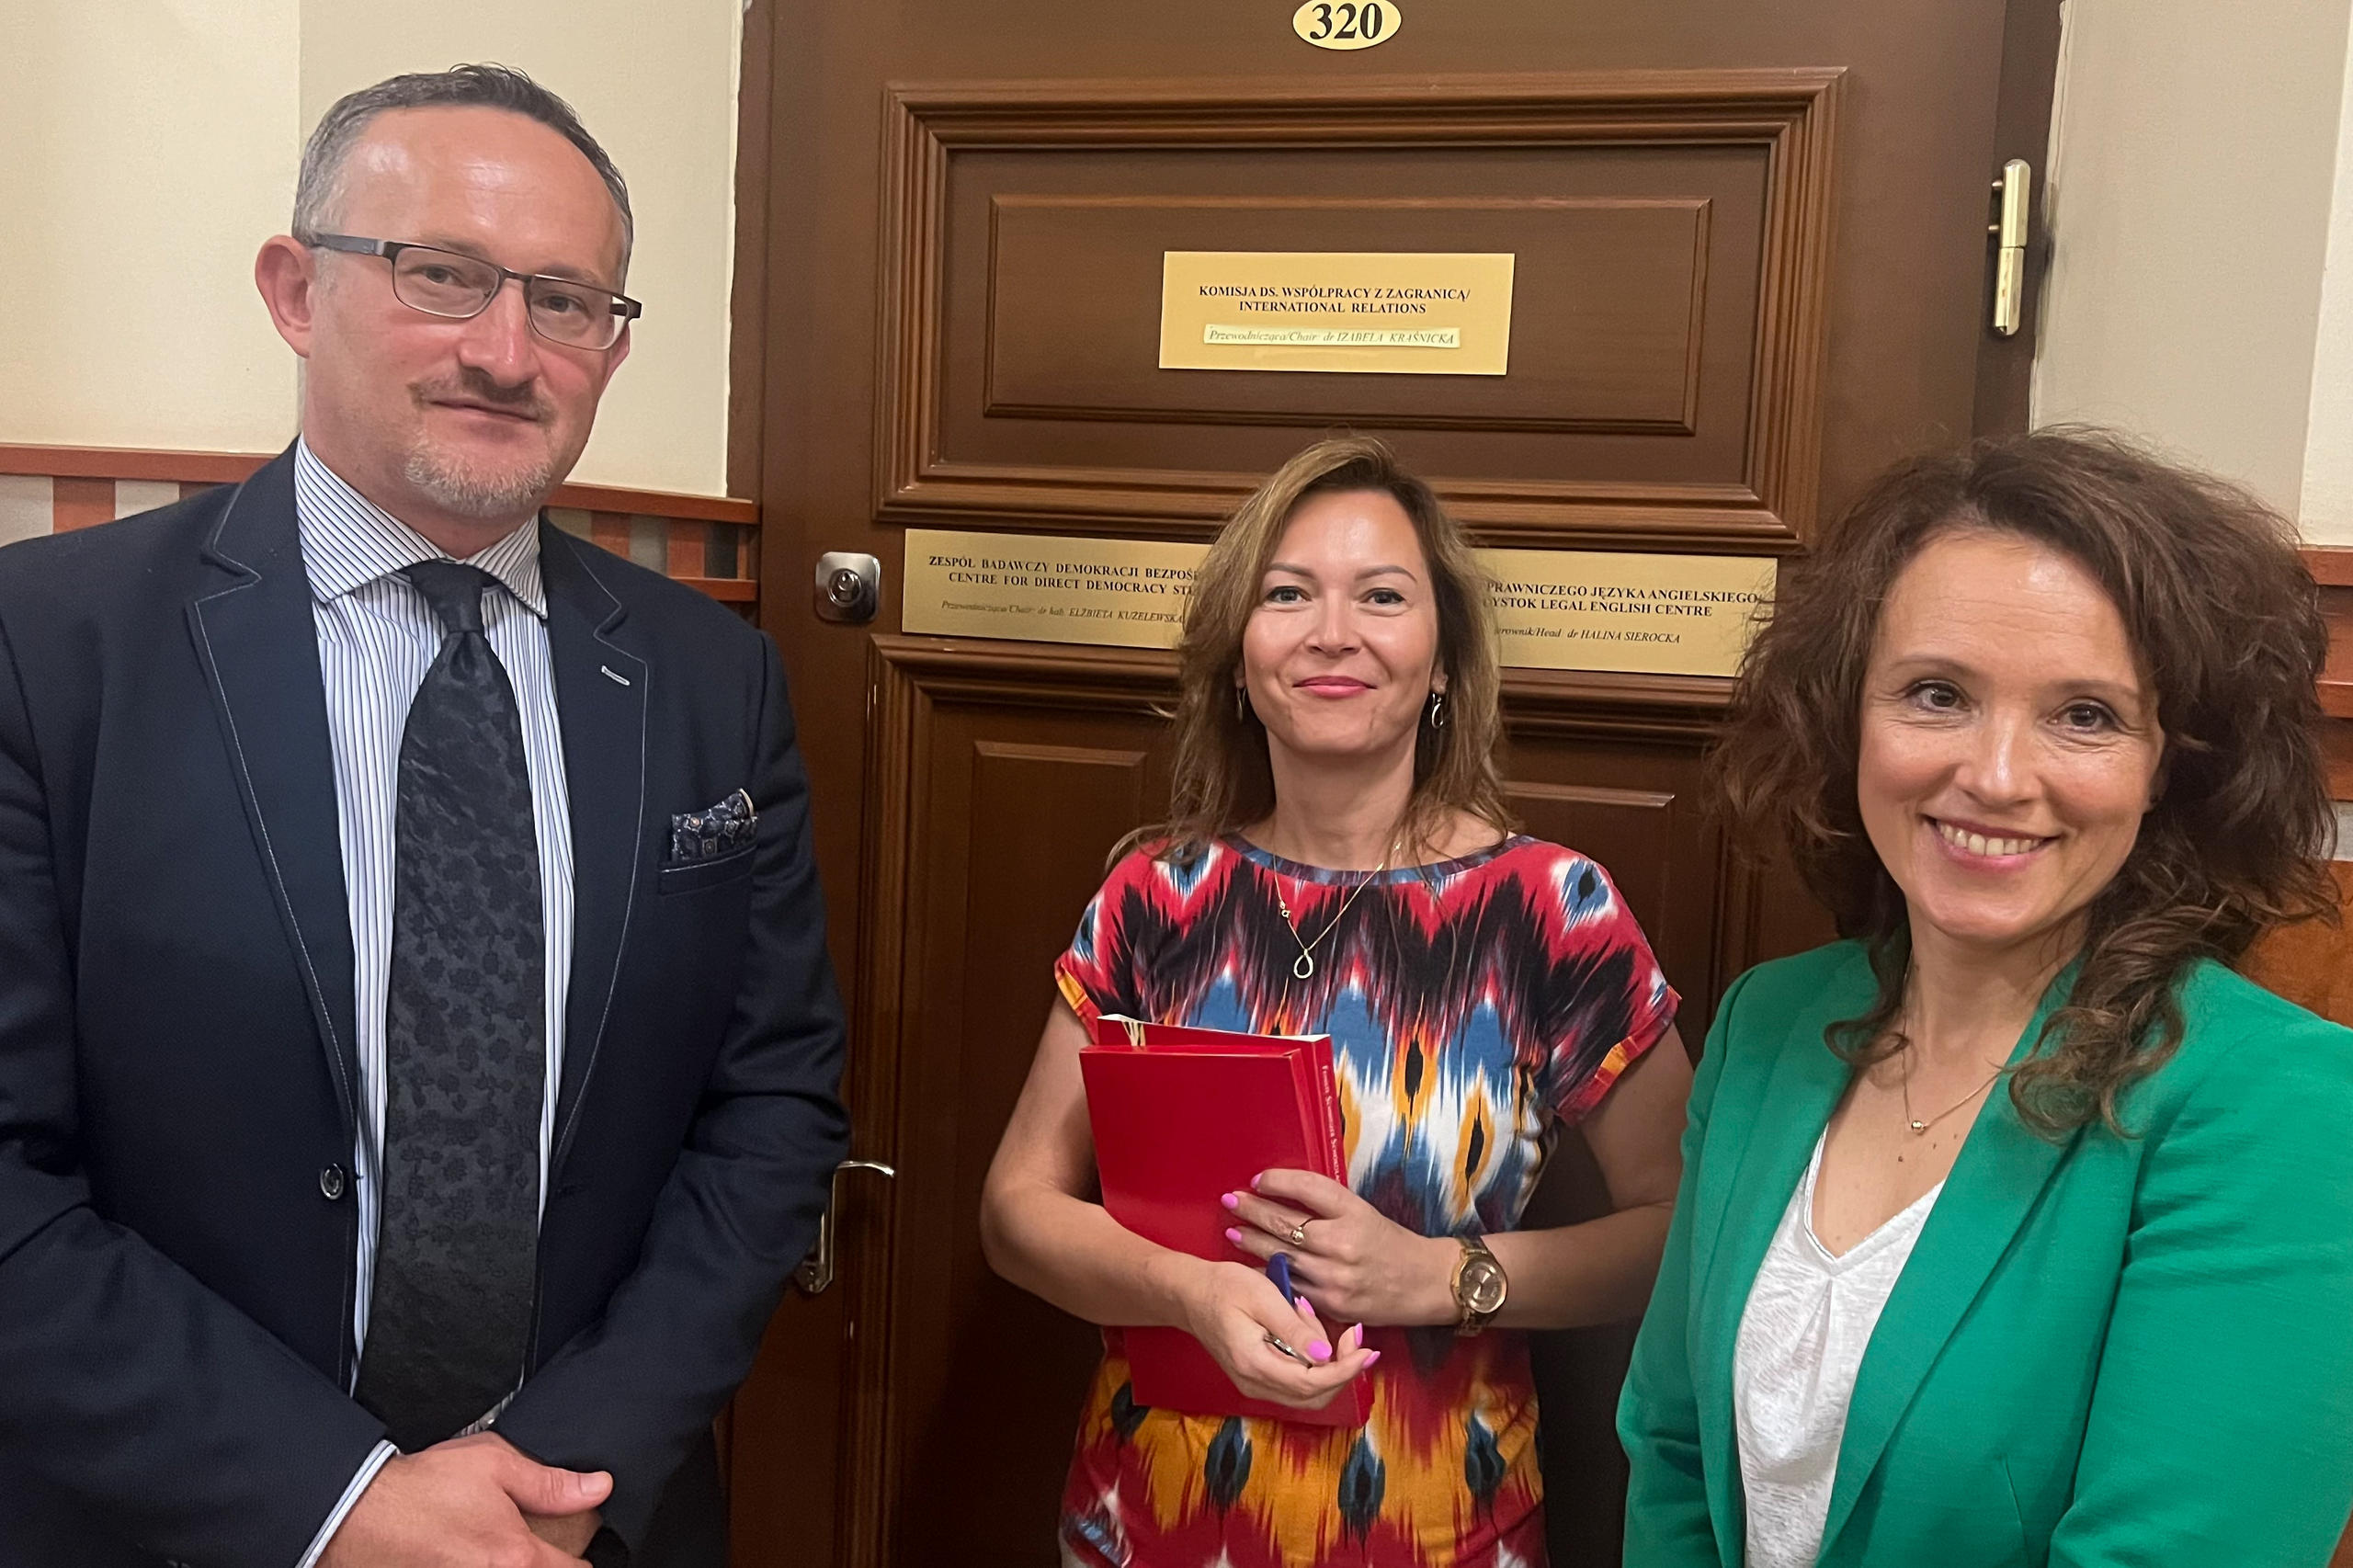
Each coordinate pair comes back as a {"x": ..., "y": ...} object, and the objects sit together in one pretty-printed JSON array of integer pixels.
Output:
[
  {"x": 2332, "y": 568},
  {"x": 708, "y": 542},
  {"x": 2312, "y": 964}
]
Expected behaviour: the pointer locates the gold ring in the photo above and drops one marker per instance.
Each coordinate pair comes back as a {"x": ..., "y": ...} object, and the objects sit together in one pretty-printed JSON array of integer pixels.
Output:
[{"x": 1298, "y": 1233}]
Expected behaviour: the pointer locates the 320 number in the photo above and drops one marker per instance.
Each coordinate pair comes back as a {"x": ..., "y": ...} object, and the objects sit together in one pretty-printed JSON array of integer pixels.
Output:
[{"x": 1344, "y": 24}]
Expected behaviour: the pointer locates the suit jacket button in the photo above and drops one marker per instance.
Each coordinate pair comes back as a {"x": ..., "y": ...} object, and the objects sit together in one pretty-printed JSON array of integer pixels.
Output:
[{"x": 331, "y": 1184}]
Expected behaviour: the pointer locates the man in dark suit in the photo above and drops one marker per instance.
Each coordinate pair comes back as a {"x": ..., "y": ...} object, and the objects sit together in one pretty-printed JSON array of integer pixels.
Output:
[{"x": 417, "y": 1047}]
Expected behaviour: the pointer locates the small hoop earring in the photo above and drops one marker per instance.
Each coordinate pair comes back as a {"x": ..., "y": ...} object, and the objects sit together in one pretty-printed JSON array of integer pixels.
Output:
[
  {"x": 1437, "y": 710},
  {"x": 1241, "y": 707}
]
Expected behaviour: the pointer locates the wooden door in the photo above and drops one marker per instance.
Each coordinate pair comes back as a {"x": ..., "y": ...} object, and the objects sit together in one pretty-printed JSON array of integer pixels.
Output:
[{"x": 1751, "y": 269}]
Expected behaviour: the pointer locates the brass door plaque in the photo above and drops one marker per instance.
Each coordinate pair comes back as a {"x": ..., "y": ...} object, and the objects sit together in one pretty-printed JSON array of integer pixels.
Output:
[
  {"x": 1380, "y": 313},
  {"x": 1563, "y": 610},
  {"x": 1120, "y": 593},
  {"x": 1581, "y": 609}
]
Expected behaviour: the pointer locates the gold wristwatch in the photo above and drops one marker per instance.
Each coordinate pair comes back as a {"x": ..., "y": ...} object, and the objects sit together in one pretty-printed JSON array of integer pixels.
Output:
[{"x": 1479, "y": 1287}]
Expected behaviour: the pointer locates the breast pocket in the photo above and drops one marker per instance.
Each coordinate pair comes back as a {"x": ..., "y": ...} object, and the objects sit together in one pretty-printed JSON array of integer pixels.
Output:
[{"x": 696, "y": 875}]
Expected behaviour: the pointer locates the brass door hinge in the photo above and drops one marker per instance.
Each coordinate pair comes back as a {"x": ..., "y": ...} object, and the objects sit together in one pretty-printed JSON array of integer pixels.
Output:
[{"x": 2011, "y": 193}]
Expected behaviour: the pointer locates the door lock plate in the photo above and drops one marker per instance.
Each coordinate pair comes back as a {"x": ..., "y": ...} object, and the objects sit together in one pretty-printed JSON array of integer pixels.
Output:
[{"x": 849, "y": 587}]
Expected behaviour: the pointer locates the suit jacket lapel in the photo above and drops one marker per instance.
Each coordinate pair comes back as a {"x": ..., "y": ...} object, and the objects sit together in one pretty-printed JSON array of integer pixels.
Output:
[
  {"x": 600, "y": 703},
  {"x": 257, "y": 638},
  {"x": 1739, "y": 1215},
  {"x": 1995, "y": 1184}
]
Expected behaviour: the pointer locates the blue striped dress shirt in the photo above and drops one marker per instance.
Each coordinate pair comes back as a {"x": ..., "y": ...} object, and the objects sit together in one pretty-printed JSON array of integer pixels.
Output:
[{"x": 377, "y": 638}]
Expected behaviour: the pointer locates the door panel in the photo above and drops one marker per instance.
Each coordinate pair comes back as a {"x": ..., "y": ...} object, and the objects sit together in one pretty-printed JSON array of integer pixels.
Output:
[
  {"x": 1027, "y": 767},
  {"x": 1625, "y": 359},
  {"x": 1665, "y": 347},
  {"x": 1014, "y": 771},
  {"x": 1751, "y": 270}
]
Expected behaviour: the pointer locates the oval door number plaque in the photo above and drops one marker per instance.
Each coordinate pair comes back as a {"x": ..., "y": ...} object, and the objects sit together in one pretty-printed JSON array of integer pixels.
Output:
[{"x": 1345, "y": 24}]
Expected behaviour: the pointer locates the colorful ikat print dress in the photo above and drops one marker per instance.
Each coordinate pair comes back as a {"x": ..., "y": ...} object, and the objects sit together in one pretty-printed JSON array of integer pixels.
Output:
[{"x": 1474, "y": 1006}]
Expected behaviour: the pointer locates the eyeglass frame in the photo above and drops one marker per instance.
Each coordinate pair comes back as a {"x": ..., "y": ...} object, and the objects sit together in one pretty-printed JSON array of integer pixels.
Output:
[{"x": 629, "y": 310}]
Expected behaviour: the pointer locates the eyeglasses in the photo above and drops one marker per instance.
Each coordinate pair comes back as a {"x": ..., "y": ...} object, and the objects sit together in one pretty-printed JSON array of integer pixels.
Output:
[{"x": 450, "y": 283}]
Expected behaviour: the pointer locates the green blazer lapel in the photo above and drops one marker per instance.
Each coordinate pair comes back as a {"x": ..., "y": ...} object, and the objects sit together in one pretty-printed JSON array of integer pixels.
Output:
[
  {"x": 1994, "y": 1185},
  {"x": 1801, "y": 1090}
]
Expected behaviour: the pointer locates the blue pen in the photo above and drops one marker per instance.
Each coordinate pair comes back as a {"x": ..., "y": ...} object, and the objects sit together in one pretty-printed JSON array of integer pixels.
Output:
[{"x": 1279, "y": 1270}]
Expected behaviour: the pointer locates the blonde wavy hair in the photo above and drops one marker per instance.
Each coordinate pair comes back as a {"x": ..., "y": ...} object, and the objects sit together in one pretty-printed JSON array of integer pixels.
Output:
[{"x": 1224, "y": 781}]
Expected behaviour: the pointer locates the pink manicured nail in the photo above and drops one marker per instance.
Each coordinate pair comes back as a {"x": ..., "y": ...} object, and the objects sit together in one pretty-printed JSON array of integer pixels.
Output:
[
  {"x": 1370, "y": 1357},
  {"x": 1304, "y": 1310},
  {"x": 1231, "y": 1201},
  {"x": 1319, "y": 1351},
  {"x": 1234, "y": 1237},
  {"x": 1355, "y": 1336}
]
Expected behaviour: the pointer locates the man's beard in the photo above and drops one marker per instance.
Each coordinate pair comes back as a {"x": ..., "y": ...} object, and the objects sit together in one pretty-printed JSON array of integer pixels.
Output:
[
  {"x": 470, "y": 493},
  {"x": 466, "y": 491}
]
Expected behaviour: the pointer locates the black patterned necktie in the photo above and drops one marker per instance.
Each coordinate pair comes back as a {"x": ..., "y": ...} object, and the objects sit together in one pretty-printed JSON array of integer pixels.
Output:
[{"x": 465, "y": 1058}]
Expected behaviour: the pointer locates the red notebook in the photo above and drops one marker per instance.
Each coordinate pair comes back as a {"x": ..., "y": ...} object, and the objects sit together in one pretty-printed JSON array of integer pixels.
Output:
[{"x": 1182, "y": 1115}]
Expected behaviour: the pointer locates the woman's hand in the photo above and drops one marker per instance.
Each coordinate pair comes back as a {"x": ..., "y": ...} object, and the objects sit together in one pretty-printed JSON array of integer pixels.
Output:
[
  {"x": 1232, "y": 1308},
  {"x": 1356, "y": 1265}
]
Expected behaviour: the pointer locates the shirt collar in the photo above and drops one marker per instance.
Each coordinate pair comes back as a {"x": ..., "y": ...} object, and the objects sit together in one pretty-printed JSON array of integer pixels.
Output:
[{"x": 348, "y": 541}]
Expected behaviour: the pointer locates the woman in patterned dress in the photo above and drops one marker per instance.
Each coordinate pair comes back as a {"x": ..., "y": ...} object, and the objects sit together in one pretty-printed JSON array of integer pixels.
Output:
[{"x": 1338, "y": 860}]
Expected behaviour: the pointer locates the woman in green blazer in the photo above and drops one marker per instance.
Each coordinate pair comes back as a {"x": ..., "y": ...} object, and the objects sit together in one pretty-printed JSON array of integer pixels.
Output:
[{"x": 2017, "y": 1228}]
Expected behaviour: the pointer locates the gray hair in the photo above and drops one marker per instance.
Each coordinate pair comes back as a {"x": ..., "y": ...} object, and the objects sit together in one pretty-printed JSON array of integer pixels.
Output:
[{"x": 318, "y": 188}]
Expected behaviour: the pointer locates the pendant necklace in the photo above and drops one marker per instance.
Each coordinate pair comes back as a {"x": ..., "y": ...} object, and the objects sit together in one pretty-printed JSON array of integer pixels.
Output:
[
  {"x": 1920, "y": 1129},
  {"x": 1305, "y": 968}
]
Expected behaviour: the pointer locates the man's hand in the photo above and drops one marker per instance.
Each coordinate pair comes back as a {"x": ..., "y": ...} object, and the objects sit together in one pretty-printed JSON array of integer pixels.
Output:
[{"x": 464, "y": 1503}]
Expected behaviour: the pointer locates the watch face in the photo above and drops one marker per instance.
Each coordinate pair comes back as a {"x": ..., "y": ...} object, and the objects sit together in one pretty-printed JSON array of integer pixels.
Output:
[{"x": 1482, "y": 1284}]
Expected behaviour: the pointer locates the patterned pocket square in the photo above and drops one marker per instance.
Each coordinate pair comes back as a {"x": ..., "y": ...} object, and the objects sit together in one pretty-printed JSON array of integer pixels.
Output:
[{"x": 713, "y": 832}]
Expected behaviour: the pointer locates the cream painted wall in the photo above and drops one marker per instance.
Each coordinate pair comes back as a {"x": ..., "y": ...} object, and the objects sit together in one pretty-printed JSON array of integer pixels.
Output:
[
  {"x": 150, "y": 145},
  {"x": 2193, "y": 164},
  {"x": 656, "y": 85},
  {"x": 2327, "y": 511}
]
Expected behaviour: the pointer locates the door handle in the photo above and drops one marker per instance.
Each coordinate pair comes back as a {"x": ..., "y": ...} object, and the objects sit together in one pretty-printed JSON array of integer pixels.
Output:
[
  {"x": 2009, "y": 231},
  {"x": 816, "y": 1270}
]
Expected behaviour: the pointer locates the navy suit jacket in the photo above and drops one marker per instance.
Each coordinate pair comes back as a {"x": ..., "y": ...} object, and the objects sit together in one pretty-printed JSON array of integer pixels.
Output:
[{"x": 177, "y": 1067}]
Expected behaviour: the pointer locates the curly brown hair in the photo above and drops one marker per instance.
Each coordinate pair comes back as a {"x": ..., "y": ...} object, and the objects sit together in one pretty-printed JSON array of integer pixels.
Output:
[
  {"x": 1224, "y": 781},
  {"x": 2226, "y": 623}
]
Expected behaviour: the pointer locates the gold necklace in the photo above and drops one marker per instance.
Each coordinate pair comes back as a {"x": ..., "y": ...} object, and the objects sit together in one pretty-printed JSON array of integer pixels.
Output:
[
  {"x": 1920, "y": 1129},
  {"x": 1305, "y": 968}
]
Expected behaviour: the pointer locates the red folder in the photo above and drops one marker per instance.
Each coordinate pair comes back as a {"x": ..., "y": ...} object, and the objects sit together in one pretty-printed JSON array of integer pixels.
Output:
[{"x": 1182, "y": 1115}]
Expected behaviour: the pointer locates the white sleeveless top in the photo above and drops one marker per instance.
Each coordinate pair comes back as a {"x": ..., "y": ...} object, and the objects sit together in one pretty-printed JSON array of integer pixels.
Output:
[{"x": 1802, "y": 1335}]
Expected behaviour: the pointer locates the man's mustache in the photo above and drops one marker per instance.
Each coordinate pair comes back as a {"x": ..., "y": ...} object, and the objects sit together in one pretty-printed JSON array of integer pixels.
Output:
[{"x": 473, "y": 386}]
